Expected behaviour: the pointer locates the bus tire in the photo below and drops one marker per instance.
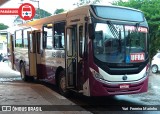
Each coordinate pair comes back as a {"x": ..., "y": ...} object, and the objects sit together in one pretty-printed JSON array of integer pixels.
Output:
[
  {"x": 23, "y": 72},
  {"x": 62, "y": 84}
]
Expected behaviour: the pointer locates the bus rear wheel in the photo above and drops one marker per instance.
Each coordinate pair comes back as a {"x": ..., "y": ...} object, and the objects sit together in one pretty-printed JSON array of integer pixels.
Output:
[
  {"x": 62, "y": 84},
  {"x": 23, "y": 72}
]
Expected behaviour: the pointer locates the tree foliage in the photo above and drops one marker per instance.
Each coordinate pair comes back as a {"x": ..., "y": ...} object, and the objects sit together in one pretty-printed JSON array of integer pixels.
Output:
[
  {"x": 85, "y": 2},
  {"x": 40, "y": 13},
  {"x": 57, "y": 11},
  {"x": 151, "y": 11},
  {"x": 3, "y": 26}
]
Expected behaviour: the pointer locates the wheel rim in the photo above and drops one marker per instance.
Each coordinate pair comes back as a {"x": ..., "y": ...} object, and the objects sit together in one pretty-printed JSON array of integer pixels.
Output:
[
  {"x": 63, "y": 84},
  {"x": 154, "y": 69}
]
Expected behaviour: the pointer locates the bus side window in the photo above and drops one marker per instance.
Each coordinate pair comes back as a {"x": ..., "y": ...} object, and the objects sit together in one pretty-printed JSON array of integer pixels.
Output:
[
  {"x": 18, "y": 38},
  {"x": 38, "y": 43},
  {"x": 81, "y": 41},
  {"x": 31, "y": 44},
  {"x": 25, "y": 40},
  {"x": 47, "y": 36},
  {"x": 59, "y": 29}
]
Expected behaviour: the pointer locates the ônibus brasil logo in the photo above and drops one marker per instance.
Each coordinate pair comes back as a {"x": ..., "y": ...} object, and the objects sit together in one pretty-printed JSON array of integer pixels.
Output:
[{"x": 26, "y": 11}]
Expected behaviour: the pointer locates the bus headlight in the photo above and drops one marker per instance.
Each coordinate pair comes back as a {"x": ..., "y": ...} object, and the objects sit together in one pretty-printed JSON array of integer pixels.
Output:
[
  {"x": 96, "y": 74},
  {"x": 147, "y": 70}
]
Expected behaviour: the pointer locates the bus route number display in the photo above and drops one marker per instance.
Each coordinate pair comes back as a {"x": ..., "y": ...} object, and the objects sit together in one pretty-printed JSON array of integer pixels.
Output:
[{"x": 135, "y": 57}]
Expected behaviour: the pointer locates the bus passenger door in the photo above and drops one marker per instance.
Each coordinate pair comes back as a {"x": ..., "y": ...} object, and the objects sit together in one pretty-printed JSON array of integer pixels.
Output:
[
  {"x": 33, "y": 51},
  {"x": 71, "y": 57}
]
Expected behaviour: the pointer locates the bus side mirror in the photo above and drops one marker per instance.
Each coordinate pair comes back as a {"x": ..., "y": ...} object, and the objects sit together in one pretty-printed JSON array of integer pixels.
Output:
[{"x": 91, "y": 31}]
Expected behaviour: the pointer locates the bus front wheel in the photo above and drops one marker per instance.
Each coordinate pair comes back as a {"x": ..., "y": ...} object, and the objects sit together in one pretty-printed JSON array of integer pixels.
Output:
[{"x": 62, "y": 84}]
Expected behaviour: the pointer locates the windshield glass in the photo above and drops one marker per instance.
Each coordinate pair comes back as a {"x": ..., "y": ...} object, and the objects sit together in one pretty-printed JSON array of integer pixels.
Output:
[
  {"x": 115, "y": 43},
  {"x": 118, "y": 13}
]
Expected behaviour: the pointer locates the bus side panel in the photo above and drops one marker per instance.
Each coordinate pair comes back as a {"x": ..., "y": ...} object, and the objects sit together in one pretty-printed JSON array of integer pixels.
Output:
[
  {"x": 51, "y": 60},
  {"x": 44, "y": 70},
  {"x": 21, "y": 55},
  {"x": 41, "y": 71}
]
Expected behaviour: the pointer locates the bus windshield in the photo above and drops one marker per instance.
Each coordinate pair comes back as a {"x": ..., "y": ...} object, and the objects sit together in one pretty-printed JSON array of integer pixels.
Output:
[
  {"x": 118, "y": 13},
  {"x": 115, "y": 43}
]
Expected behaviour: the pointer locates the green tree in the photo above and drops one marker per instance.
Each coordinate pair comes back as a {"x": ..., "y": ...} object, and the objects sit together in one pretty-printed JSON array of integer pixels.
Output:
[
  {"x": 85, "y": 2},
  {"x": 57, "y": 11},
  {"x": 40, "y": 13},
  {"x": 3, "y": 26},
  {"x": 151, "y": 11}
]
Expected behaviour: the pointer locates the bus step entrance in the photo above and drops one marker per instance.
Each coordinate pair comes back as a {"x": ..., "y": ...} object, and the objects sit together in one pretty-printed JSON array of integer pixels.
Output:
[{"x": 75, "y": 90}]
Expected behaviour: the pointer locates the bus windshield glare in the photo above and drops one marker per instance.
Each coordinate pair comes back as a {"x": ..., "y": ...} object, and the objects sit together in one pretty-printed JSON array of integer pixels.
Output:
[
  {"x": 118, "y": 13},
  {"x": 115, "y": 43}
]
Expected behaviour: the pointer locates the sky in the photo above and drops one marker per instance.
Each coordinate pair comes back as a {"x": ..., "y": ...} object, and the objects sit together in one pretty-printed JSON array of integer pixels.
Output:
[{"x": 48, "y": 5}]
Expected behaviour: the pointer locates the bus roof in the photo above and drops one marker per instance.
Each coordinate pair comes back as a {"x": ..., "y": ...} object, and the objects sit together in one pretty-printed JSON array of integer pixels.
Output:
[
  {"x": 39, "y": 22},
  {"x": 62, "y": 17}
]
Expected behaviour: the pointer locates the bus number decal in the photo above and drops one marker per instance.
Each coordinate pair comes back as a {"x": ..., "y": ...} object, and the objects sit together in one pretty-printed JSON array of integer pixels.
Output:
[{"x": 137, "y": 57}]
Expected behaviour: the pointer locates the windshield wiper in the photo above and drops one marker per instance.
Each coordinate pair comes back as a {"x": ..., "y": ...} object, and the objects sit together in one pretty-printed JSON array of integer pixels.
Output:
[{"x": 116, "y": 34}]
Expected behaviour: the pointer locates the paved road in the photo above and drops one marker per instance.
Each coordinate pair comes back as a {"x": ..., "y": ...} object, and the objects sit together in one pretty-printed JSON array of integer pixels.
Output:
[
  {"x": 18, "y": 94},
  {"x": 13, "y": 91}
]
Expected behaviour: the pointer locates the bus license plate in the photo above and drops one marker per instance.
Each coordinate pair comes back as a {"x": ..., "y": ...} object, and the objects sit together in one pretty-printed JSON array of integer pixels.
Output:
[{"x": 124, "y": 86}]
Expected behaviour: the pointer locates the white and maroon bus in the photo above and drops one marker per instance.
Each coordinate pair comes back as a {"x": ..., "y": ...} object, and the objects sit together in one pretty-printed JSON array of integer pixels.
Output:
[{"x": 94, "y": 50}]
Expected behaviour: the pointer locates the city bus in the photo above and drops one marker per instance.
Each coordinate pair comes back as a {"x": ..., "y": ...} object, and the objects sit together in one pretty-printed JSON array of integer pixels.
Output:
[{"x": 94, "y": 50}]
